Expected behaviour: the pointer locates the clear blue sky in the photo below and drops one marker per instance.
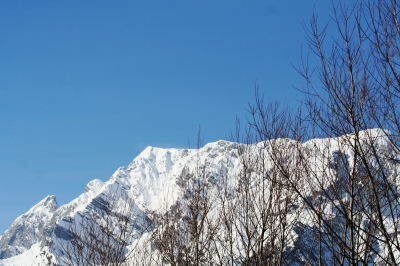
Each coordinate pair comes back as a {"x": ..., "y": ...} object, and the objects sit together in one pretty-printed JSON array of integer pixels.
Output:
[{"x": 86, "y": 85}]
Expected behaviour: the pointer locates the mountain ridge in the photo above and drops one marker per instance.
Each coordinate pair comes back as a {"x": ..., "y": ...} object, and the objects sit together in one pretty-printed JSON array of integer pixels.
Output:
[
  {"x": 148, "y": 176},
  {"x": 157, "y": 182}
]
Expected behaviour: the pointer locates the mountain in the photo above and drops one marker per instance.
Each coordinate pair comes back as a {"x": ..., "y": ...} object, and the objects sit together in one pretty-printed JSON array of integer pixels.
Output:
[
  {"x": 28, "y": 229},
  {"x": 225, "y": 202},
  {"x": 152, "y": 180}
]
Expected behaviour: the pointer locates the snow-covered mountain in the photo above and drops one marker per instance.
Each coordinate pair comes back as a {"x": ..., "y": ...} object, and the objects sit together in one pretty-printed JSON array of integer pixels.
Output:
[
  {"x": 156, "y": 182},
  {"x": 28, "y": 229},
  {"x": 152, "y": 180}
]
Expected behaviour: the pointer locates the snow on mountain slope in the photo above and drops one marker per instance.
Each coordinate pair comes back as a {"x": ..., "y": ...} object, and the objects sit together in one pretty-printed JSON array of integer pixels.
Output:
[
  {"x": 28, "y": 229},
  {"x": 155, "y": 174},
  {"x": 28, "y": 258}
]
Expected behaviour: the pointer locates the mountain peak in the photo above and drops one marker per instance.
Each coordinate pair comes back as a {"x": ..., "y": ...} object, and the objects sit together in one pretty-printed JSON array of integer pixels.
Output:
[
  {"x": 94, "y": 186},
  {"x": 28, "y": 228}
]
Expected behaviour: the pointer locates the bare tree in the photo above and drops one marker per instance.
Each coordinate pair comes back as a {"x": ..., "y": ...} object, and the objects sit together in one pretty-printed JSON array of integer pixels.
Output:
[
  {"x": 266, "y": 210},
  {"x": 184, "y": 231},
  {"x": 347, "y": 181}
]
